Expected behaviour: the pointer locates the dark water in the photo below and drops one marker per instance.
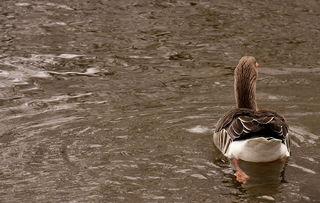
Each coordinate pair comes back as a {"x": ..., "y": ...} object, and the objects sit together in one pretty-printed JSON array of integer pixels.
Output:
[{"x": 115, "y": 101}]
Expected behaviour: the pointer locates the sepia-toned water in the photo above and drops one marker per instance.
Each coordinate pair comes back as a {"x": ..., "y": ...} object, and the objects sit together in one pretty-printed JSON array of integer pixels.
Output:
[{"x": 116, "y": 100}]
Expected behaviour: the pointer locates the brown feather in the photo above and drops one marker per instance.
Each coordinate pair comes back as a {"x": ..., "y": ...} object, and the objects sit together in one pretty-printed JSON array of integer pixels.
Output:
[
  {"x": 246, "y": 121},
  {"x": 240, "y": 122}
]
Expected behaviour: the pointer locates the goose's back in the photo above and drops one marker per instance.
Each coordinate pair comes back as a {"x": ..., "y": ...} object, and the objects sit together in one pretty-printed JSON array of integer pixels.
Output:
[{"x": 242, "y": 124}]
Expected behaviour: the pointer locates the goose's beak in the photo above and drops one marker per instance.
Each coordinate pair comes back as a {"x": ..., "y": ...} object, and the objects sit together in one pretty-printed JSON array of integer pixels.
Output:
[{"x": 257, "y": 64}]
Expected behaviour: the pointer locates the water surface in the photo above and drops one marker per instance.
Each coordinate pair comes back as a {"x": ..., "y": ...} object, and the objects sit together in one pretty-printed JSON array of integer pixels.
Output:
[{"x": 116, "y": 101}]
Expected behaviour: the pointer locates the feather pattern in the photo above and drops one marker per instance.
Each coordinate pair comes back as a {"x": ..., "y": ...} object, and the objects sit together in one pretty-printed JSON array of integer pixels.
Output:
[{"x": 242, "y": 124}]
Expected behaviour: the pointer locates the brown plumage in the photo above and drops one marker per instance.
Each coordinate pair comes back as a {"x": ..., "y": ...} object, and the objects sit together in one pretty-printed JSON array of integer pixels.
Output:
[
  {"x": 245, "y": 76},
  {"x": 243, "y": 123},
  {"x": 246, "y": 132}
]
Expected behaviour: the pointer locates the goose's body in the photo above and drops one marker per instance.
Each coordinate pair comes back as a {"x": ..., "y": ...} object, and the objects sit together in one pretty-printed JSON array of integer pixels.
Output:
[
  {"x": 254, "y": 136},
  {"x": 247, "y": 133}
]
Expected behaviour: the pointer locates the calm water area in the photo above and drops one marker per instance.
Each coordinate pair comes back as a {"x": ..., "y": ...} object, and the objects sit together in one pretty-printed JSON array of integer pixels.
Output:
[{"x": 116, "y": 100}]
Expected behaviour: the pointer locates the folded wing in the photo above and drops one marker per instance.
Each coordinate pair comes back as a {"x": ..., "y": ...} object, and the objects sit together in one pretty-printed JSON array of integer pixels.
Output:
[{"x": 240, "y": 124}]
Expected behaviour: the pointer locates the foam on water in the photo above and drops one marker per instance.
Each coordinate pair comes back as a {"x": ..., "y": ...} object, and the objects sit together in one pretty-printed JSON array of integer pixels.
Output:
[
  {"x": 198, "y": 129},
  {"x": 69, "y": 56}
]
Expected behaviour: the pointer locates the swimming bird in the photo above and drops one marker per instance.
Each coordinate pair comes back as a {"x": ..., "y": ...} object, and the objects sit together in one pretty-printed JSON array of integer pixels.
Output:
[{"x": 246, "y": 133}]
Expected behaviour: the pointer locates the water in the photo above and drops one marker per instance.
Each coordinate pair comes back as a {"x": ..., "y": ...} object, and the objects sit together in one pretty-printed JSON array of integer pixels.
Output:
[{"x": 115, "y": 101}]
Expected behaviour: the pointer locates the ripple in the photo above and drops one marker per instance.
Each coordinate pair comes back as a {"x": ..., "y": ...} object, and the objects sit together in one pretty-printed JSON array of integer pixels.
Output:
[
  {"x": 288, "y": 71},
  {"x": 199, "y": 129},
  {"x": 91, "y": 72},
  {"x": 125, "y": 140},
  {"x": 199, "y": 176},
  {"x": 301, "y": 135},
  {"x": 132, "y": 178},
  {"x": 266, "y": 197},
  {"x": 155, "y": 197},
  {"x": 59, "y": 6},
  {"x": 302, "y": 168},
  {"x": 54, "y": 122},
  {"x": 22, "y": 4},
  {"x": 69, "y": 56},
  {"x": 183, "y": 171}
]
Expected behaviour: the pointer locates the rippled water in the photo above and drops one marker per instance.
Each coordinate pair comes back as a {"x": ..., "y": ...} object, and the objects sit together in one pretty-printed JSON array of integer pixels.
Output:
[{"x": 115, "y": 101}]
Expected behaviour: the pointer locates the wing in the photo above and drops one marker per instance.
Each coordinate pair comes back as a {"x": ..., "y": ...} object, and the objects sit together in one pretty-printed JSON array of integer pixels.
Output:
[
  {"x": 240, "y": 124},
  {"x": 228, "y": 128}
]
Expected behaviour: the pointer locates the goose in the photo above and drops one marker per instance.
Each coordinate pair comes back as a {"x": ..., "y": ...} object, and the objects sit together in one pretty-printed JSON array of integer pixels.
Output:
[{"x": 246, "y": 133}]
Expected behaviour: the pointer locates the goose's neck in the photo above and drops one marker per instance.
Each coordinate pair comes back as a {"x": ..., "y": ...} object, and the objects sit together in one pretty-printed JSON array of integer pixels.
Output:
[{"x": 245, "y": 89}]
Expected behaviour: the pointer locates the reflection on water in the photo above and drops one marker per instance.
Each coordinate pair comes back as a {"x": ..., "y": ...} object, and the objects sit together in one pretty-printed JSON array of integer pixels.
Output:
[
  {"x": 115, "y": 101},
  {"x": 265, "y": 178}
]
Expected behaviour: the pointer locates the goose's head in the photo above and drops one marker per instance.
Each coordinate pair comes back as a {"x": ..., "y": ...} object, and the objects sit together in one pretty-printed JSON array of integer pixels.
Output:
[
  {"x": 245, "y": 76},
  {"x": 248, "y": 63}
]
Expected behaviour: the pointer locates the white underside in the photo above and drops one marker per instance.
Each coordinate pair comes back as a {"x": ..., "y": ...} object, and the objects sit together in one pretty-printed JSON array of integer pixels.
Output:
[{"x": 257, "y": 150}]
